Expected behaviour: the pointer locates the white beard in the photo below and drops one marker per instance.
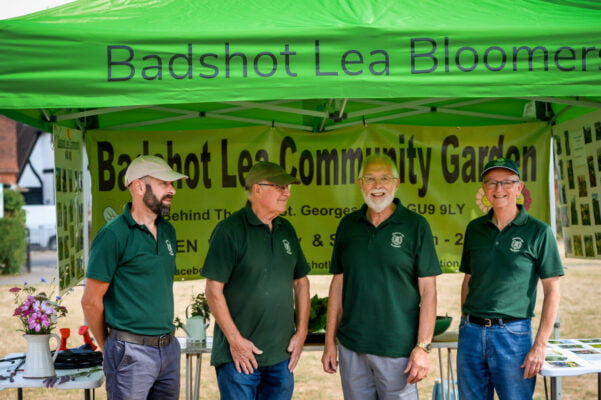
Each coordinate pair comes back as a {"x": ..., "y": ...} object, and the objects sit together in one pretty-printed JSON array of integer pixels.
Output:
[{"x": 380, "y": 204}]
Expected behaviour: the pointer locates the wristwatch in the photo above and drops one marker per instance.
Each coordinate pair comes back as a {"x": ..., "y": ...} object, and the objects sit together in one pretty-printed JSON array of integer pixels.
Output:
[{"x": 427, "y": 347}]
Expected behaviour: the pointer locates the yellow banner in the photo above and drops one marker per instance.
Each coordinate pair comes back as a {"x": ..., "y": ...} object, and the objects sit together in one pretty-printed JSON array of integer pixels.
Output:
[{"x": 439, "y": 171}]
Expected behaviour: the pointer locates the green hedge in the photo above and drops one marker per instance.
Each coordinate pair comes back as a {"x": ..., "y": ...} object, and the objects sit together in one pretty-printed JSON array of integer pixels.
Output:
[{"x": 13, "y": 240}]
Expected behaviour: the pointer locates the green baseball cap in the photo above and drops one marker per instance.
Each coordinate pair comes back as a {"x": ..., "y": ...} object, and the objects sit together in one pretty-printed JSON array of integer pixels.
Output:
[
  {"x": 506, "y": 163},
  {"x": 270, "y": 172}
]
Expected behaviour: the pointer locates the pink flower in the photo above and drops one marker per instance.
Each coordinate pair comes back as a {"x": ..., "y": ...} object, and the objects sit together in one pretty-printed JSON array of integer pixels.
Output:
[
  {"x": 37, "y": 321},
  {"x": 42, "y": 307}
]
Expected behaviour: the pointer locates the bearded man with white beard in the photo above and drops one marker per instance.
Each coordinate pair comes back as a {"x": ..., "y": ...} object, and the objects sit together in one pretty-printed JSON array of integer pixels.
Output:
[{"x": 382, "y": 300}]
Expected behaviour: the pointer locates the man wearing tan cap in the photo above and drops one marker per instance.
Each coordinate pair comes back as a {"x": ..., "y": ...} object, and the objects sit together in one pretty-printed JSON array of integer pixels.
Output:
[
  {"x": 128, "y": 299},
  {"x": 253, "y": 267}
]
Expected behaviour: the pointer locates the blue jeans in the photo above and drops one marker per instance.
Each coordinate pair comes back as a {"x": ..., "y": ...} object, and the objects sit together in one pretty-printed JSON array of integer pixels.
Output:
[
  {"x": 138, "y": 372},
  {"x": 490, "y": 358},
  {"x": 265, "y": 383}
]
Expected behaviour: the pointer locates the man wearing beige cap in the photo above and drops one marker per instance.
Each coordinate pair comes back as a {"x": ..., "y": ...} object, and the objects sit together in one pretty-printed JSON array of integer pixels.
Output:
[
  {"x": 254, "y": 265},
  {"x": 128, "y": 299}
]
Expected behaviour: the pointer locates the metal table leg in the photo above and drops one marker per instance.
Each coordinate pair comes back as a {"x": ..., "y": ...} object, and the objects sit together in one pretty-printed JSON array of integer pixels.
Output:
[
  {"x": 451, "y": 376},
  {"x": 188, "y": 381},
  {"x": 554, "y": 388},
  {"x": 441, "y": 372},
  {"x": 193, "y": 376},
  {"x": 197, "y": 377}
]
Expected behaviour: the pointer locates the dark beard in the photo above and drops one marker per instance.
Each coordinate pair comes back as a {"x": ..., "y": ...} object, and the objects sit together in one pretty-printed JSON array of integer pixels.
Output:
[{"x": 155, "y": 204}]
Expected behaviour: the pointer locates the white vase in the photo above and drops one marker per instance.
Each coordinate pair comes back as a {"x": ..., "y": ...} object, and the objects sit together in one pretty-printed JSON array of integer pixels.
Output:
[{"x": 39, "y": 362}]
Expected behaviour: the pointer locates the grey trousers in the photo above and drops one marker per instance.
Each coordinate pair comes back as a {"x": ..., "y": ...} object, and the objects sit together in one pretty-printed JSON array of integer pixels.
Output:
[
  {"x": 138, "y": 372},
  {"x": 371, "y": 377}
]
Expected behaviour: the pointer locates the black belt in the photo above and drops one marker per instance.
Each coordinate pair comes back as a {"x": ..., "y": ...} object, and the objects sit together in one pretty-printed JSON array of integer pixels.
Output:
[
  {"x": 156, "y": 341},
  {"x": 488, "y": 322}
]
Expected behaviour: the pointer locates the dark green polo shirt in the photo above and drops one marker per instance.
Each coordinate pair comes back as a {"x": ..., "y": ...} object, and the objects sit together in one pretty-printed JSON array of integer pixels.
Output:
[
  {"x": 140, "y": 271},
  {"x": 381, "y": 265},
  {"x": 505, "y": 266},
  {"x": 258, "y": 267}
]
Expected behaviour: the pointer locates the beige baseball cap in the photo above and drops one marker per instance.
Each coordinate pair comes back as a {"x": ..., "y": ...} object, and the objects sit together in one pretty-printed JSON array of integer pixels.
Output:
[
  {"x": 270, "y": 172},
  {"x": 147, "y": 165}
]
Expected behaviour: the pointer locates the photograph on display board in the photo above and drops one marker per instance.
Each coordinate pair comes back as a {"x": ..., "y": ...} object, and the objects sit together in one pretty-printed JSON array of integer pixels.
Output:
[
  {"x": 587, "y": 133},
  {"x": 585, "y": 214},
  {"x": 560, "y": 174},
  {"x": 596, "y": 210},
  {"x": 591, "y": 171},
  {"x": 564, "y": 364},
  {"x": 578, "y": 246},
  {"x": 582, "y": 192},
  {"x": 573, "y": 212},
  {"x": 589, "y": 249}
]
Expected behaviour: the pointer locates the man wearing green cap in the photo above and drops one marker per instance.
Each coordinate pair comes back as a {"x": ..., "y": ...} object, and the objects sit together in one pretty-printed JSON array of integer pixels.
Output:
[
  {"x": 505, "y": 253},
  {"x": 253, "y": 267},
  {"x": 128, "y": 299}
]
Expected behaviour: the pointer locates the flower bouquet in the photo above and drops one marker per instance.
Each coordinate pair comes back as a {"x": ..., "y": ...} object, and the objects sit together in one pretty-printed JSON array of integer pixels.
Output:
[
  {"x": 38, "y": 314},
  {"x": 36, "y": 311}
]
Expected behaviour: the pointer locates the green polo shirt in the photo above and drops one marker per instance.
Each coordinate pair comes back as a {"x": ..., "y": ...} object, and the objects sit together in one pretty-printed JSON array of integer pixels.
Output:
[
  {"x": 140, "y": 271},
  {"x": 505, "y": 266},
  {"x": 381, "y": 266},
  {"x": 258, "y": 267}
]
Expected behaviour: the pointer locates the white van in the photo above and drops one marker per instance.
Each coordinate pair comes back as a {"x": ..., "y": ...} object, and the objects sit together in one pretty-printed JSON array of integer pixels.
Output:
[{"x": 41, "y": 226}]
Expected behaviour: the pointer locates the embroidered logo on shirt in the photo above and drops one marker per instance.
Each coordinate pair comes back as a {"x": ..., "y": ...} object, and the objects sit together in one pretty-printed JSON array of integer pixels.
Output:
[
  {"x": 516, "y": 244},
  {"x": 287, "y": 246},
  {"x": 168, "y": 244},
  {"x": 397, "y": 239}
]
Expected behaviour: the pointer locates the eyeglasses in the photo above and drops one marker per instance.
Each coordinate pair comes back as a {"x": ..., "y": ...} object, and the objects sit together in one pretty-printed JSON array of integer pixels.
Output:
[
  {"x": 372, "y": 180},
  {"x": 281, "y": 188},
  {"x": 504, "y": 184}
]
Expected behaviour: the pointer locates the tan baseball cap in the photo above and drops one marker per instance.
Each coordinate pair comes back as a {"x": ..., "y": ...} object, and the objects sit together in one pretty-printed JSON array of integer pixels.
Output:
[
  {"x": 270, "y": 172},
  {"x": 151, "y": 166}
]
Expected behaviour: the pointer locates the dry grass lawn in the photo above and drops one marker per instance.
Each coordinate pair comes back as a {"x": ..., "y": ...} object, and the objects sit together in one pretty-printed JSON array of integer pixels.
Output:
[{"x": 581, "y": 296}]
